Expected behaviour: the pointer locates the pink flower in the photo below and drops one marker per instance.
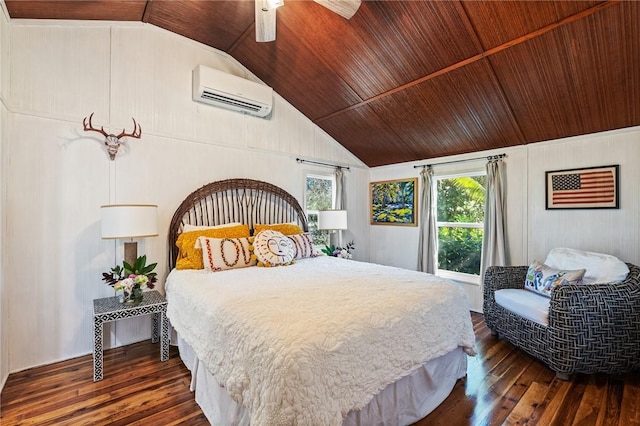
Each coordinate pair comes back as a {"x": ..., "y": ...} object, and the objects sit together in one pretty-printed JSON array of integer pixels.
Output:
[{"x": 126, "y": 285}]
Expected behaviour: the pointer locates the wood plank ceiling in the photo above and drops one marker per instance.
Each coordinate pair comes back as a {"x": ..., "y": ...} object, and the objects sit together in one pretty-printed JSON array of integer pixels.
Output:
[{"x": 414, "y": 80}]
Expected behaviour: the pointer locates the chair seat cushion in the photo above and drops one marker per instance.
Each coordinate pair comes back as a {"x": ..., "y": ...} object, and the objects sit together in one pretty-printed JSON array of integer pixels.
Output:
[{"x": 525, "y": 303}]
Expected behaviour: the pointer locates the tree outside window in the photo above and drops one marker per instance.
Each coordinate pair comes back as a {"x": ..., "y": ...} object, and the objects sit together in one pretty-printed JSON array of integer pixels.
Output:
[
  {"x": 460, "y": 221},
  {"x": 319, "y": 195}
]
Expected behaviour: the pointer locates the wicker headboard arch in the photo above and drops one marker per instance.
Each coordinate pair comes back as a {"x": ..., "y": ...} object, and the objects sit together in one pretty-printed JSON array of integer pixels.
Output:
[{"x": 234, "y": 200}]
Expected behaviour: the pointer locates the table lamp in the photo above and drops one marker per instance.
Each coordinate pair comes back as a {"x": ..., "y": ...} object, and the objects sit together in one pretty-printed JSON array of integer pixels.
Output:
[
  {"x": 333, "y": 220},
  {"x": 121, "y": 221}
]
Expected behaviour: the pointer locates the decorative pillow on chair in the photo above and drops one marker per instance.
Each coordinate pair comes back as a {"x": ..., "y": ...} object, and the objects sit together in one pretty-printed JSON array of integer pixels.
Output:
[
  {"x": 273, "y": 248},
  {"x": 190, "y": 256},
  {"x": 601, "y": 268},
  {"x": 543, "y": 279},
  {"x": 219, "y": 254},
  {"x": 302, "y": 245},
  {"x": 290, "y": 228}
]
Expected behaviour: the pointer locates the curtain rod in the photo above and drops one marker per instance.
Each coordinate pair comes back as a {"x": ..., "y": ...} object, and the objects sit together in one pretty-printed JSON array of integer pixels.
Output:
[
  {"x": 489, "y": 158},
  {"x": 300, "y": 160}
]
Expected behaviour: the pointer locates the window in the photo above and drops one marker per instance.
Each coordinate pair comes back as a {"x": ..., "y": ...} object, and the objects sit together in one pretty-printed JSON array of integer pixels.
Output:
[
  {"x": 460, "y": 222},
  {"x": 320, "y": 194}
]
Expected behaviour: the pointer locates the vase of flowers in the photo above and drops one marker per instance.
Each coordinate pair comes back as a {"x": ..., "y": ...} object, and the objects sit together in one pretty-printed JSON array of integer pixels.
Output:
[
  {"x": 131, "y": 279},
  {"x": 343, "y": 252}
]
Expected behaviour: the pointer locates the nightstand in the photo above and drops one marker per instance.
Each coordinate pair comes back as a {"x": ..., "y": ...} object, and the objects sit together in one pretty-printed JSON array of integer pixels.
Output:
[{"x": 110, "y": 309}]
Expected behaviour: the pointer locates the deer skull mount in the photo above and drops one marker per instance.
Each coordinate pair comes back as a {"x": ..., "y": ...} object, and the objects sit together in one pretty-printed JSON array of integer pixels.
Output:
[{"x": 112, "y": 141}]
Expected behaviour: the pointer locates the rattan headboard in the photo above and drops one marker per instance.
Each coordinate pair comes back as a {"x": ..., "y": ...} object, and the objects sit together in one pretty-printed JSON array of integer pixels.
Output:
[{"x": 234, "y": 200}]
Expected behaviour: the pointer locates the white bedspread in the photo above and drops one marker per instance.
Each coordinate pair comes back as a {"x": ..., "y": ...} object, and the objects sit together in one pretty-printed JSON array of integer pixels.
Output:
[{"x": 305, "y": 344}]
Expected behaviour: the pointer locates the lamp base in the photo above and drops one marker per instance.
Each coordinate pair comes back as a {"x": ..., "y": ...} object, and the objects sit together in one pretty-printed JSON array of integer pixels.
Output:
[
  {"x": 131, "y": 252},
  {"x": 335, "y": 237}
]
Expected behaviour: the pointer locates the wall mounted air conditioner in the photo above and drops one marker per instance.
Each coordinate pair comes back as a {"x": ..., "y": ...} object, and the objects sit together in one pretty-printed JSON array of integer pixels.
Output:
[{"x": 218, "y": 88}]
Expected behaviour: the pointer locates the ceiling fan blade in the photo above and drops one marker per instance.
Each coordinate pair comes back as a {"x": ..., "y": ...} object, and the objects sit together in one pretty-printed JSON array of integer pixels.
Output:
[
  {"x": 344, "y": 8},
  {"x": 265, "y": 22}
]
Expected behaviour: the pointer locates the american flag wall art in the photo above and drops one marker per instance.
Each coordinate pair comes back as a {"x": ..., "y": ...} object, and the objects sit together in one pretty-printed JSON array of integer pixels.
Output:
[{"x": 590, "y": 188}]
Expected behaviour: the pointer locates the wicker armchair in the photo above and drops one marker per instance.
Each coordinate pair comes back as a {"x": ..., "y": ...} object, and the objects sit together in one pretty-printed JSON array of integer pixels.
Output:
[{"x": 592, "y": 328}]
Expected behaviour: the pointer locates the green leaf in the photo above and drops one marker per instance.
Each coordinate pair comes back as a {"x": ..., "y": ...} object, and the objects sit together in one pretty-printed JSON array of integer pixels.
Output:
[
  {"x": 116, "y": 271},
  {"x": 147, "y": 269},
  {"x": 127, "y": 268},
  {"x": 328, "y": 250},
  {"x": 140, "y": 262}
]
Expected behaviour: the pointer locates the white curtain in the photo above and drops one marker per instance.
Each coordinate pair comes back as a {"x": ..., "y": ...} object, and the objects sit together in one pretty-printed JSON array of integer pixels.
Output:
[
  {"x": 428, "y": 240},
  {"x": 341, "y": 194},
  {"x": 494, "y": 243},
  {"x": 341, "y": 199}
]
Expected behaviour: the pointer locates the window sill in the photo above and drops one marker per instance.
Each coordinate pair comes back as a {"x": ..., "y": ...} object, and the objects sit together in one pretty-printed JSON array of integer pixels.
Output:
[{"x": 460, "y": 277}]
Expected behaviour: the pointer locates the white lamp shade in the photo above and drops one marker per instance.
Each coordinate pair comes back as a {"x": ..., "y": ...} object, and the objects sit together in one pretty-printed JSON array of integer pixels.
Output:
[
  {"x": 129, "y": 220},
  {"x": 332, "y": 219}
]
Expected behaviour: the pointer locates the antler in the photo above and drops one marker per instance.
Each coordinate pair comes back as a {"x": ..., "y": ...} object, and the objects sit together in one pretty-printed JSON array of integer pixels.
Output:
[
  {"x": 137, "y": 131},
  {"x": 112, "y": 141},
  {"x": 84, "y": 123}
]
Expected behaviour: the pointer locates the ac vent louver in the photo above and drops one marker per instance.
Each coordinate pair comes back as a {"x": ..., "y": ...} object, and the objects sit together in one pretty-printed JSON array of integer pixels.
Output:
[{"x": 230, "y": 101}]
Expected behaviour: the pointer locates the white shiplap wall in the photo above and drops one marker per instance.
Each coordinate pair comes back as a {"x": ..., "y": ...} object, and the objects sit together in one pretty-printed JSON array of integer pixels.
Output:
[
  {"x": 617, "y": 231},
  {"x": 59, "y": 175},
  {"x": 533, "y": 231}
]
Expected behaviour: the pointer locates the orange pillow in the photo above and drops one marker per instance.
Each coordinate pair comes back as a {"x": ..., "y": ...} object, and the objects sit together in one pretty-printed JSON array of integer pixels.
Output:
[
  {"x": 285, "y": 228},
  {"x": 190, "y": 256}
]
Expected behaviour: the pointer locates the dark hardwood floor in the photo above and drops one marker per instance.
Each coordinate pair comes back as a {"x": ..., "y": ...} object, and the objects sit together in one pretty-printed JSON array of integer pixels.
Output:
[{"x": 503, "y": 386}]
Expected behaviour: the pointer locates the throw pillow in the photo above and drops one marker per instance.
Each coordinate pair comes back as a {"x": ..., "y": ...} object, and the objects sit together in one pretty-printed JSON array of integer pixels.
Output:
[
  {"x": 190, "y": 256},
  {"x": 286, "y": 228},
  {"x": 273, "y": 248},
  {"x": 543, "y": 279},
  {"x": 219, "y": 254},
  {"x": 601, "y": 268},
  {"x": 189, "y": 228},
  {"x": 303, "y": 246}
]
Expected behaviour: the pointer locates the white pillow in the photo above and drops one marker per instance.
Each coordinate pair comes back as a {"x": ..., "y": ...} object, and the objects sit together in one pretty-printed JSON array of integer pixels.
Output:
[
  {"x": 601, "y": 268},
  {"x": 219, "y": 254},
  {"x": 188, "y": 227},
  {"x": 302, "y": 245},
  {"x": 273, "y": 248}
]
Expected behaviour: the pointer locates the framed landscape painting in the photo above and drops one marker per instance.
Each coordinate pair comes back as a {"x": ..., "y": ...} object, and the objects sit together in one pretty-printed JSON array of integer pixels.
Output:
[
  {"x": 393, "y": 202},
  {"x": 590, "y": 188}
]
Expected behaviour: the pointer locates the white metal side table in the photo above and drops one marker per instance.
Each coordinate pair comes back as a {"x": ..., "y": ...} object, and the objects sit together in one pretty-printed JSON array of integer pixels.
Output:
[{"x": 110, "y": 309}]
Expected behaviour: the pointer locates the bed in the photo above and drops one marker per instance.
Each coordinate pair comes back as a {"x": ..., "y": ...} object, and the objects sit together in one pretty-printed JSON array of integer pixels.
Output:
[{"x": 321, "y": 341}]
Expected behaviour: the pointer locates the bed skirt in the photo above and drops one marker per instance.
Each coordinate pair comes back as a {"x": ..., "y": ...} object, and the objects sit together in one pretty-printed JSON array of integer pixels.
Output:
[{"x": 401, "y": 403}]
